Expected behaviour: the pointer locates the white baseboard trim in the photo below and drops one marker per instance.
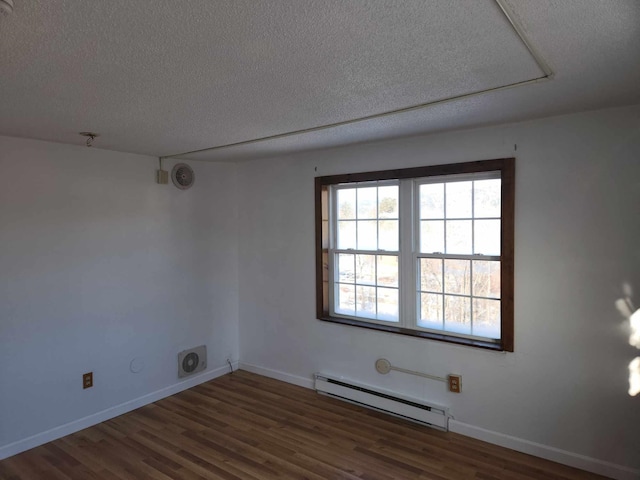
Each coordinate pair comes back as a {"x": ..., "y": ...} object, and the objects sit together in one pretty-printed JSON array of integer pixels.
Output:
[
  {"x": 82, "y": 423},
  {"x": 582, "y": 462},
  {"x": 278, "y": 375}
]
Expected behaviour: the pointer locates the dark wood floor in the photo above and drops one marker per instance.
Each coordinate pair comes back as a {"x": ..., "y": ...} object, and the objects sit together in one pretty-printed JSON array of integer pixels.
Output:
[{"x": 244, "y": 426}]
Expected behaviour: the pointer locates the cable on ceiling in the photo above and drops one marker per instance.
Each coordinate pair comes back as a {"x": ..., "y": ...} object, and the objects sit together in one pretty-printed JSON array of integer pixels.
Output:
[{"x": 507, "y": 13}]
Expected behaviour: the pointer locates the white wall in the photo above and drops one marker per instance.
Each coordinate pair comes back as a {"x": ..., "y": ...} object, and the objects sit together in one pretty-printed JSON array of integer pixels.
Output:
[
  {"x": 577, "y": 241},
  {"x": 99, "y": 265}
]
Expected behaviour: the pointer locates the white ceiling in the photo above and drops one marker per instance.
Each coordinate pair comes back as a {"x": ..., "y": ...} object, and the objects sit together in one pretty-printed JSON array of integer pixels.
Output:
[{"x": 162, "y": 77}]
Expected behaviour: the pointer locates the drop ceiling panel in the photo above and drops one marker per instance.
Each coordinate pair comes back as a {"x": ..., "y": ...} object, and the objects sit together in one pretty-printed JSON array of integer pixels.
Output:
[{"x": 163, "y": 77}]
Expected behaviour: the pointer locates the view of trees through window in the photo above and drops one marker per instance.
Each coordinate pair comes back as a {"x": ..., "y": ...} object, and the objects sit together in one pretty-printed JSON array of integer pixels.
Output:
[
  {"x": 457, "y": 259},
  {"x": 422, "y": 251},
  {"x": 460, "y": 219},
  {"x": 368, "y": 223}
]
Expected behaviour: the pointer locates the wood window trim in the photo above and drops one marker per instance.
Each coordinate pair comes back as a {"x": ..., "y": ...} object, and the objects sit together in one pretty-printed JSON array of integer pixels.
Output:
[{"x": 506, "y": 166}]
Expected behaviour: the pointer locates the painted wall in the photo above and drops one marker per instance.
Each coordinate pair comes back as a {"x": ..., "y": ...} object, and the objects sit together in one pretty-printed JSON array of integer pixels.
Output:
[
  {"x": 100, "y": 265},
  {"x": 577, "y": 241}
]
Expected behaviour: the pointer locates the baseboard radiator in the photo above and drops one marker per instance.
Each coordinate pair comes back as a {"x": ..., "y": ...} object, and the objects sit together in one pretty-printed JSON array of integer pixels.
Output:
[{"x": 382, "y": 400}]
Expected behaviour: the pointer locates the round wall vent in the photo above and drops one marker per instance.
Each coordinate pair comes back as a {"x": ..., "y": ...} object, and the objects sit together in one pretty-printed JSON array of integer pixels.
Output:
[
  {"x": 190, "y": 362},
  {"x": 182, "y": 176}
]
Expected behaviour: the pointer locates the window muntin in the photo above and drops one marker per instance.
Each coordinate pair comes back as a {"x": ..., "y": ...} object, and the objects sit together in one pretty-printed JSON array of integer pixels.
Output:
[
  {"x": 365, "y": 257},
  {"x": 459, "y": 218},
  {"x": 453, "y": 257}
]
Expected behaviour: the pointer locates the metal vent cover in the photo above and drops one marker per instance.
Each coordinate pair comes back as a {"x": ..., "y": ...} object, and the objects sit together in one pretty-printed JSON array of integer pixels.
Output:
[
  {"x": 192, "y": 361},
  {"x": 182, "y": 176}
]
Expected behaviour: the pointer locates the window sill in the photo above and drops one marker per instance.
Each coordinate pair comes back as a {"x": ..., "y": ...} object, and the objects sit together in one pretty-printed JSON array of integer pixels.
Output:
[{"x": 439, "y": 337}]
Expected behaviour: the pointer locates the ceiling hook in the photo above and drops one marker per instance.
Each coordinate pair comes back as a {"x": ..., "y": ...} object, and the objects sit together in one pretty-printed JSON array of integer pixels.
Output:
[{"x": 90, "y": 137}]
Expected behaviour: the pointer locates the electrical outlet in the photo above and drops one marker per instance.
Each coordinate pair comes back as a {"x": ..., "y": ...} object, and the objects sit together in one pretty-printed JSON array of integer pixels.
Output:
[
  {"x": 455, "y": 383},
  {"x": 87, "y": 380}
]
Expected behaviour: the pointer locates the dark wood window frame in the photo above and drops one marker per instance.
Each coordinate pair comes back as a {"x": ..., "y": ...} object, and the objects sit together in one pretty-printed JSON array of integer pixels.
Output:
[{"x": 506, "y": 167}]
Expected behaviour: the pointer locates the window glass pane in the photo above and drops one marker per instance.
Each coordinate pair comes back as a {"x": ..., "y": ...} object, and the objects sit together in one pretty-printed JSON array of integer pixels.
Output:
[
  {"x": 346, "y": 203},
  {"x": 487, "y": 237},
  {"x": 457, "y": 314},
  {"x": 365, "y": 301},
  {"x": 367, "y": 235},
  {"x": 388, "y": 270},
  {"x": 367, "y": 202},
  {"x": 388, "y": 235},
  {"x": 486, "y": 318},
  {"x": 388, "y": 202},
  {"x": 486, "y": 194},
  {"x": 388, "y": 304},
  {"x": 486, "y": 279},
  {"x": 346, "y": 268},
  {"x": 366, "y": 269},
  {"x": 457, "y": 276},
  {"x": 432, "y": 200},
  {"x": 430, "y": 311},
  {"x": 459, "y": 236},
  {"x": 345, "y": 299},
  {"x": 431, "y": 236},
  {"x": 346, "y": 234},
  {"x": 458, "y": 199},
  {"x": 431, "y": 274},
  {"x": 456, "y": 219}
]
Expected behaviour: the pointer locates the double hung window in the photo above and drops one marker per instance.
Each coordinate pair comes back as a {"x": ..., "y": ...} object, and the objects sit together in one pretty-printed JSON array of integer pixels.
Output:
[{"x": 423, "y": 251}]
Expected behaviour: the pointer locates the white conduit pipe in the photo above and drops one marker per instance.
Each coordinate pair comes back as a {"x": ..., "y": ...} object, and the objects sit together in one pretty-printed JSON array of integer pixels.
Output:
[
  {"x": 383, "y": 366},
  {"x": 542, "y": 64}
]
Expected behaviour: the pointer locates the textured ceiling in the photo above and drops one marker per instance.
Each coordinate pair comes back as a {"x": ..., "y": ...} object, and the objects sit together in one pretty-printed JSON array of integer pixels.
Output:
[{"x": 162, "y": 77}]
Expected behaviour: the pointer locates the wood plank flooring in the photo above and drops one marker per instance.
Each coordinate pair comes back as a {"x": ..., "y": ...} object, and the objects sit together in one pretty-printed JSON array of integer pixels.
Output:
[{"x": 244, "y": 426}]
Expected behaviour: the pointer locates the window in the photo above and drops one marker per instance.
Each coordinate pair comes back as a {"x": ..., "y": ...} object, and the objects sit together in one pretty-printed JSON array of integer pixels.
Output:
[{"x": 422, "y": 251}]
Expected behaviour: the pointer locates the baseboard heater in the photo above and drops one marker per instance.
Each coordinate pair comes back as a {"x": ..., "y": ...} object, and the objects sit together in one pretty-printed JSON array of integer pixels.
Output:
[{"x": 382, "y": 400}]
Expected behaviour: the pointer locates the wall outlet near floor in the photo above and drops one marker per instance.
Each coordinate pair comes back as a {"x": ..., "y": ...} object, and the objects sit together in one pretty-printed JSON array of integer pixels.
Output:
[
  {"x": 87, "y": 380},
  {"x": 455, "y": 383}
]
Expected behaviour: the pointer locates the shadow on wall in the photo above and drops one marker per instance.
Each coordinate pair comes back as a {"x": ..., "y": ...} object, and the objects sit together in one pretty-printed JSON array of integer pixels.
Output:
[{"x": 626, "y": 308}]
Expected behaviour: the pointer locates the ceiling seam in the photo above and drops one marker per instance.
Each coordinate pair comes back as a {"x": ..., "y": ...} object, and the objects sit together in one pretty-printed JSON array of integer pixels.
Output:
[{"x": 507, "y": 13}]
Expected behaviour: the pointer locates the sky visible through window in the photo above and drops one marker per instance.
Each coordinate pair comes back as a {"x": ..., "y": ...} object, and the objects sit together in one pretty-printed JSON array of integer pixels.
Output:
[
  {"x": 460, "y": 295},
  {"x": 368, "y": 221},
  {"x": 459, "y": 218}
]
